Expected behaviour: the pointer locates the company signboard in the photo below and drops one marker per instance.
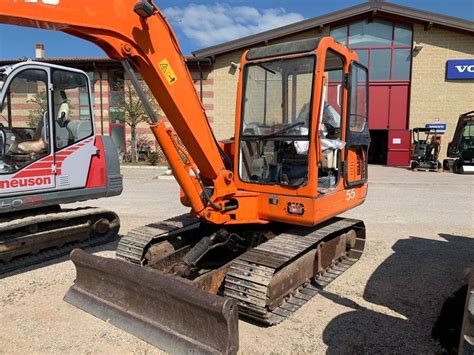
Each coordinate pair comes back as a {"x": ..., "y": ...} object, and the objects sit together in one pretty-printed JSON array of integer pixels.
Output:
[
  {"x": 460, "y": 69},
  {"x": 439, "y": 127}
]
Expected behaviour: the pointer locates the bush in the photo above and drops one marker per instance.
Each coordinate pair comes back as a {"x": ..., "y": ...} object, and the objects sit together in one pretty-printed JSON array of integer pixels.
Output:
[{"x": 153, "y": 158}]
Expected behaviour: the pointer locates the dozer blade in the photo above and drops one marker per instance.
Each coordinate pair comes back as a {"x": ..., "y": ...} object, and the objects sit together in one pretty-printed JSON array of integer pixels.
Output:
[{"x": 165, "y": 311}]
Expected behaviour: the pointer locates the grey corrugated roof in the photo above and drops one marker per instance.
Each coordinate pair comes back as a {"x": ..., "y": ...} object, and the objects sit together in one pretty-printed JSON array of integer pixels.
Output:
[{"x": 374, "y": 6}]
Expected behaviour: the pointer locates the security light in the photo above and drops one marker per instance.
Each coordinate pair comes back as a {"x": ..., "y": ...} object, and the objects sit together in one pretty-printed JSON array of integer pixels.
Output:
[
  {"x": 144, "y": 9},
  {"x": 417, "y": 47}
]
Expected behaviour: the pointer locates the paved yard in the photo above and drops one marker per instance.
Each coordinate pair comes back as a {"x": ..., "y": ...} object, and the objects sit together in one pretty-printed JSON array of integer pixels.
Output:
[{"x": 420, "y": 239}]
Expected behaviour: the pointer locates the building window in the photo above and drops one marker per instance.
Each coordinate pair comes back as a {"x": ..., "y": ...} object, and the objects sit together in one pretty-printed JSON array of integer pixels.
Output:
[
  {"x": 384, "y": 47},
  {"x": 340, "y": 34},
  {"x": 401, "y": 64},
  {"x": 370, "y": 34},
  {"x": 402, "y": 35},
  {"x": 380, "y": 64},
  {"x": 363, "y": 56}
]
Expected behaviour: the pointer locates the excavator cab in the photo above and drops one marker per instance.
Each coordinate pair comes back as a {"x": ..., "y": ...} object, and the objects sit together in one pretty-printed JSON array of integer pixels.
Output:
[
  {"x": 47, "y": 130},
  {"x": 39, "y": 102},
  {"x": 49, "y": 155},
  {"x": 301, "y": 126}
]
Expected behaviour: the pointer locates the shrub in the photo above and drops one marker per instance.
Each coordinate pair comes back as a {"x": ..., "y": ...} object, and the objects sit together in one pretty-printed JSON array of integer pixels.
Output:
[{"x": 153, "y": 158}]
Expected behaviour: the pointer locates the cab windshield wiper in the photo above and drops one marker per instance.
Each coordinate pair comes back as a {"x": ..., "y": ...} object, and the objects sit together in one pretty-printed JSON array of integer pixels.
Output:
[
  {"x": 265, "y": 68},
  {"x": 279, "y": 132}
]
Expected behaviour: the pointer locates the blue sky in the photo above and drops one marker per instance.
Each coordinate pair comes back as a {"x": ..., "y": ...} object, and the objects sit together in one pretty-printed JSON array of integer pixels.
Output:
[{"x": 200, "y": 24}]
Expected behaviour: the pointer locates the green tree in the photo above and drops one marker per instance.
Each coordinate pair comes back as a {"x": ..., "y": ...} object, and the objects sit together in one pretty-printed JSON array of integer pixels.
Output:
[
  {"x": 35, "y": 116},
  {"x": 135, "y": 113}
]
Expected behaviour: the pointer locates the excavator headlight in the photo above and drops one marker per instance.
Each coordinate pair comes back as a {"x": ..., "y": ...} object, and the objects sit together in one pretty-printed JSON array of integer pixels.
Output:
[
  {"x": 144, "y": 9},
  {"x": 295, "y": 208}
]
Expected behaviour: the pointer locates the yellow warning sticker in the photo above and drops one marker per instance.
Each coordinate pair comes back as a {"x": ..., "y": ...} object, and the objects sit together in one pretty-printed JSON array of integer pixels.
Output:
[{"x": 168, "y": 71}]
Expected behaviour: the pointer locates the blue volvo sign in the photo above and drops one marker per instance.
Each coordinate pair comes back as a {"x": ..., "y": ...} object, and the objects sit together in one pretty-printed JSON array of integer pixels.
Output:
[
  {"x": 460, "y": 69},
  {"x": 439, "y": 127}
]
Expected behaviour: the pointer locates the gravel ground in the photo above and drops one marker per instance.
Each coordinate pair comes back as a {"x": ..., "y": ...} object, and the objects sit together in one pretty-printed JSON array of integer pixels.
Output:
[{"x": 420, "y": 240}]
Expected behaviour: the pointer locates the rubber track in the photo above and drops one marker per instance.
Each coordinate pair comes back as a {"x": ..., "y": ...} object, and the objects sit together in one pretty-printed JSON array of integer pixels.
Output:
[
  {"x": 133, "y": 247},
  {"x": 64, "y": 215},
  {"x": 55, "y": 252},
  {"x": 250, "y": 275}
]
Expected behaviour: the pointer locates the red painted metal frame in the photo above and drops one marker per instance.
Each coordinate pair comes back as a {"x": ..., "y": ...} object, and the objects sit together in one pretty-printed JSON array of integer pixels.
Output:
[
  {"x": 394, "y": 157},
  {"x": 392, "y": 47}
]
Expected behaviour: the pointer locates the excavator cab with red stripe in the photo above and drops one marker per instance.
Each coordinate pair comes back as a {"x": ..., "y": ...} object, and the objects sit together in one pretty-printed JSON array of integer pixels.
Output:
[{"x": 50, "y": 155}]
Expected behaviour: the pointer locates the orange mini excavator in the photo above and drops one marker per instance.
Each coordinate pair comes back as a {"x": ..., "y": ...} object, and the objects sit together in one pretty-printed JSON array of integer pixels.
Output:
[{"x": 261, "y": 238}]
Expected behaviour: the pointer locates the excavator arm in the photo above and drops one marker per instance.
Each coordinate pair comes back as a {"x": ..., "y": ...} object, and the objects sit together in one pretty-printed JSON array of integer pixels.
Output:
[{"x": 138, "y": 34}]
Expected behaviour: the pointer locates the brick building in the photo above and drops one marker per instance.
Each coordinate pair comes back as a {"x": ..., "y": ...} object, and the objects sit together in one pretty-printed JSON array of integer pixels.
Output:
[{"x": 406, "y": 51}]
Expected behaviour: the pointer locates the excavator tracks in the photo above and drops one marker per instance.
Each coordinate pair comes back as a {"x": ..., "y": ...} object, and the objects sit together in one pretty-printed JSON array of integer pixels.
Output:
[
  {"x": 37, "y": 238},
  {"x": 142, "y": 294},
  {"x": 276, "y": 278},
  {"x": 133, "y": 246},
  {"x": 253, "y": 279}
]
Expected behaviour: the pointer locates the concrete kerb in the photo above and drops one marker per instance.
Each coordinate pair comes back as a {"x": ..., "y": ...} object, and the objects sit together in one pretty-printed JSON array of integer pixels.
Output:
[
  {"x": 157, "y": 167},
  {"x": 163, "y": 172}
]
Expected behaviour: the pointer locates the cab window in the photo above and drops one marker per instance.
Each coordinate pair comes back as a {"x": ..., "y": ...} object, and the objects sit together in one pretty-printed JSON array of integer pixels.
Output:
[
  {"x": 276, "y": 117},
  {"x": 358, "y": 103},
  {"x": 24, "y": 127},
  {"x": 71, "y": 108},
  {"x": 330, "y": 121}
]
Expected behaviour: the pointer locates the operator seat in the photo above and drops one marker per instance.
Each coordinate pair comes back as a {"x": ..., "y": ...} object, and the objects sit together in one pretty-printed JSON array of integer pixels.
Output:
[
  {"x": 330, "y": 143},
  {"x": 61, "y": 109}
]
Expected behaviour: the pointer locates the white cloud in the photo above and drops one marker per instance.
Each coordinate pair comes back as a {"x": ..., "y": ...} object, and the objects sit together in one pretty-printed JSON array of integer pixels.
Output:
[{"x": 217, "y": 23}]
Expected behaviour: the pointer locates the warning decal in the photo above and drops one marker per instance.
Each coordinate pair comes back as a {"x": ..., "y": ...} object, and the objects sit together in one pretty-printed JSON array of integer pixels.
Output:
[{"x": 168, "y": 72}]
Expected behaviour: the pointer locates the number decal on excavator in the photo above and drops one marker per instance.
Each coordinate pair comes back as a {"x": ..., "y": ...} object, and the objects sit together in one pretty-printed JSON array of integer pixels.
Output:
[
  {"x": 350, "y": 194},
  {"x": 168, "y": 71},
  {"x": 47, "y": 2}
]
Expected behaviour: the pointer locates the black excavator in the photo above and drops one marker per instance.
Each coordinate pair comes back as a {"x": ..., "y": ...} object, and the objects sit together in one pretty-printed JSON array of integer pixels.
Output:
[{"x": 461, "y": 149}]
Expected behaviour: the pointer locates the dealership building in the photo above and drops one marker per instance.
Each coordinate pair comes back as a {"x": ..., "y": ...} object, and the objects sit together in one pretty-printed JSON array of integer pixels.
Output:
[{"x": 421, "y": 72}]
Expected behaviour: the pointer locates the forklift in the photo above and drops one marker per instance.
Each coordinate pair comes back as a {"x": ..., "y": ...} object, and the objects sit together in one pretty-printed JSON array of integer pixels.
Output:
[{"x": 425, "y": 149}]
